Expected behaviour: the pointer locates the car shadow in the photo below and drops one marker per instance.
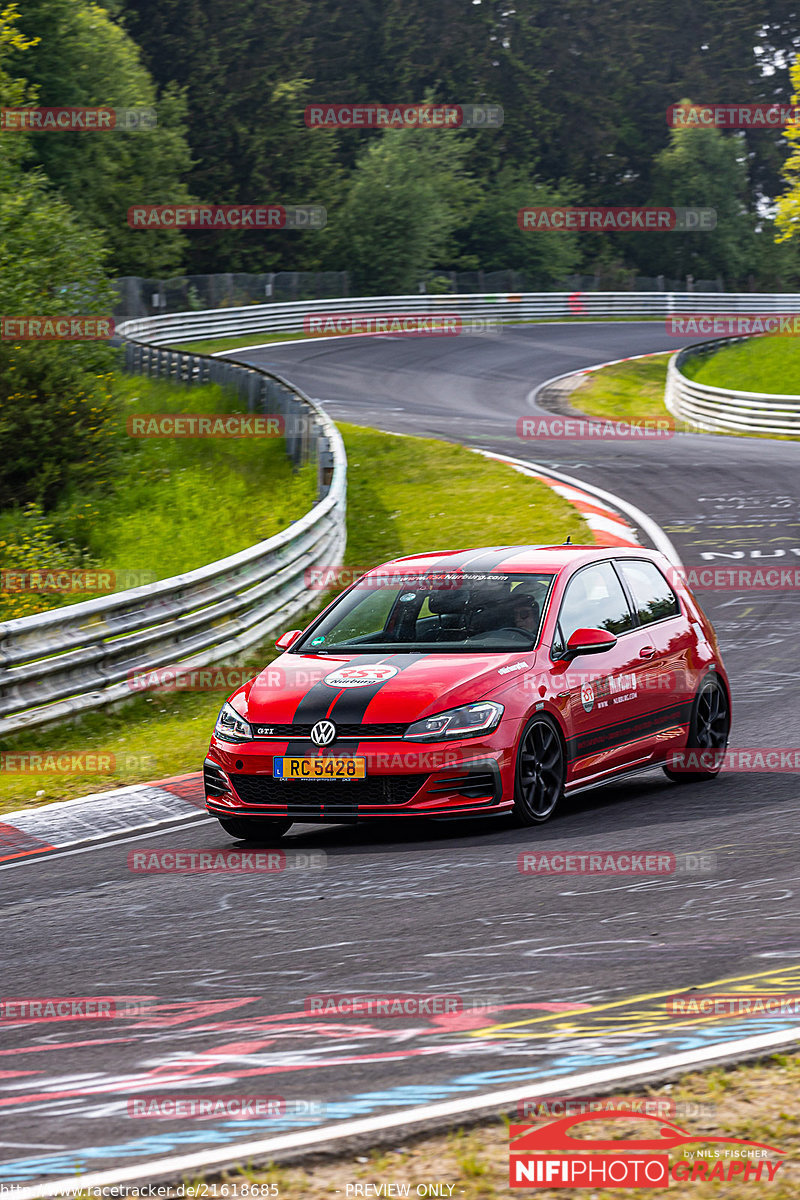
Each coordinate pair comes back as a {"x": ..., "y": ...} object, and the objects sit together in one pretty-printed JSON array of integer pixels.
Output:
[{"x": 619, "y": 806}]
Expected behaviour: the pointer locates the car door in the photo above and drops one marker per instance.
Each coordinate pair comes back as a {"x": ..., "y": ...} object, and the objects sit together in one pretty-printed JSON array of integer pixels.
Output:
[
  {"x": 668, "y": 682},
  {"x": 606, "y": 714}
]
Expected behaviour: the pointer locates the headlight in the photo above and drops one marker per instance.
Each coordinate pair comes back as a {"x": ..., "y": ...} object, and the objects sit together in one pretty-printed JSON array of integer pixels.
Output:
[
  {"x": 457, "y": 722},
  {"x": 230, "y": 727}
]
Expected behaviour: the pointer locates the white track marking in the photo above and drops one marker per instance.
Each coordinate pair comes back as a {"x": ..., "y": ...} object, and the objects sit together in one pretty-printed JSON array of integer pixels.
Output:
[
  {"x": 108, "y": 840},
  {"x": 202, "y": 1160}
]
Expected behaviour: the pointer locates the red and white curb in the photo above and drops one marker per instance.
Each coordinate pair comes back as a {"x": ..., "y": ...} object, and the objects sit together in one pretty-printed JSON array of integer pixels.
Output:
[
  {"x": 32, "y": 832},
  {"x": 605, "y": 522}
]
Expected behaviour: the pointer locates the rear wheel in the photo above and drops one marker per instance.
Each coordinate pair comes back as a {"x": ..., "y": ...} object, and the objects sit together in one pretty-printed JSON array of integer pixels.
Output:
[
  {"x": 254, "y": 829},
  {"x": 540, "y": 774},
  {"x": 709, "y": 728}
]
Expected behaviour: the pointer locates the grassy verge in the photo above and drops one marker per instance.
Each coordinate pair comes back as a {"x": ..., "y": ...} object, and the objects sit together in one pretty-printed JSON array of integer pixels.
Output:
[
  {"x": 634, "y": 391},
  {"x": 627, "y": 391},
  {"x": 405, "y": 495},
  {"x": 170, "y": 504},
  {"x": 217, "y": 345},
  {"x": 764, "y": 364},
  {"x": 755, "y": 1102}
]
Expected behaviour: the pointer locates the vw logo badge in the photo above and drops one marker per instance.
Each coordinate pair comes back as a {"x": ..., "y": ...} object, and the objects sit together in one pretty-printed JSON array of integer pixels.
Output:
[{"x": 323, "y": 733}]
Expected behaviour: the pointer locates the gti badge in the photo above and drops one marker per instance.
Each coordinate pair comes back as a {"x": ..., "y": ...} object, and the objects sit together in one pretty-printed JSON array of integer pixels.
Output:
[{"x": 323, "y": 733}]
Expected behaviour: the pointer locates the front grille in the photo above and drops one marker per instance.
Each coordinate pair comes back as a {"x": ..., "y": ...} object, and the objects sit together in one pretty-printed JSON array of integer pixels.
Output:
[
  {"x": 343, "y": 732},
  {"x": 346, "y": 796}
]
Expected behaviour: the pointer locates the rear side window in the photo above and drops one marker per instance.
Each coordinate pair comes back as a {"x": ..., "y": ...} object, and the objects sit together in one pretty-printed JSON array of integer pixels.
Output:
[
  {"x": 653, "y": 598},
  {"x": 594, "y": 599}
]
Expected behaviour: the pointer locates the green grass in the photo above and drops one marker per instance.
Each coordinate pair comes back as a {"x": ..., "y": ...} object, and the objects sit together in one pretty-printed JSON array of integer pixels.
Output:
[
  {"x": 627, "y": 391},
  {"x": 215, "y": 345},
  {"x": 405, "y": 495},
  {"x": 769, "y": 364},
  {"x": 634, "y": 391},
  {"x": 172, "y": 504}
]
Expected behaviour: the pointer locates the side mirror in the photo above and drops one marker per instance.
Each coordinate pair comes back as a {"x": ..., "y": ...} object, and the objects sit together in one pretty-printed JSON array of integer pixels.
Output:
[
  {"x": 589, "y": 641},
  {"x": 288, "y": 639}
]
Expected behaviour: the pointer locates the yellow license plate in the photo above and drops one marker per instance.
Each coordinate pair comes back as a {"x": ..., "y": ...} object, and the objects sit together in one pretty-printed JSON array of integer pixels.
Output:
[{"x": 319, "y": 768}]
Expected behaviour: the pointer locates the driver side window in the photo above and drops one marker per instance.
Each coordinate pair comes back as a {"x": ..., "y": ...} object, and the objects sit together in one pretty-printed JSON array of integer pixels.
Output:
[{"x": 594, "y": 599}]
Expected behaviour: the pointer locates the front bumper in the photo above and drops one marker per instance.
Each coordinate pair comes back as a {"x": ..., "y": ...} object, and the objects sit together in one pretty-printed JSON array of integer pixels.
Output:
[{"x": 402, "y": 779}]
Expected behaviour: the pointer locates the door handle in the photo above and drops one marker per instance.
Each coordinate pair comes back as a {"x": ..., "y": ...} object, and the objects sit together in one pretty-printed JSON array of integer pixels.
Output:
[{"x": 647, "y": 652}]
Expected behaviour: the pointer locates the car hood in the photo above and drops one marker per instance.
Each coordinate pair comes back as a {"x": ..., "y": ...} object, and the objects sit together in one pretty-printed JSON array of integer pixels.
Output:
[{"x": 373, "y": 688}]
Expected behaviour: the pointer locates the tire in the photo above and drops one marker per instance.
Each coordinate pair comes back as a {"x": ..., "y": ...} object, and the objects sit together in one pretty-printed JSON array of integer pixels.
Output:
[
  {"x": 540, "y": 772},
  {"x": 709, "y": 727},
  {"x": 254, "y": 829}
]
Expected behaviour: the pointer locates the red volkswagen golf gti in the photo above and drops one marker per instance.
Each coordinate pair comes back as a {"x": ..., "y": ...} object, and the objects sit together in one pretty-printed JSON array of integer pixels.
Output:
[{"x": 474, "y": 683}]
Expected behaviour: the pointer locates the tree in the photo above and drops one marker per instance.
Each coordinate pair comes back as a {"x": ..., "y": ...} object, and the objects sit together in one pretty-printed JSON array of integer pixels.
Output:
[
  {"x": 408, "y": 194},
  {"x": 56, "y": 413},
  {"x": 495, "y": 241},
  {"x": 702, "y": 168},
  {"x": 245, "y": 68},
  {"x": 787, "y": 216},
  {"x": 82, "y": 58}
]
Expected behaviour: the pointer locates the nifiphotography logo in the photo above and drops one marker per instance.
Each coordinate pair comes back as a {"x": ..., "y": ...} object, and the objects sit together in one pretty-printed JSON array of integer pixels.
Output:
[{"x": 553, "y": 1156}]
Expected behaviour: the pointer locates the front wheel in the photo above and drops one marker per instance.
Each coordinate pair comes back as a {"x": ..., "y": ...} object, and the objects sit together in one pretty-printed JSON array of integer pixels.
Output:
[
  {"x": 540, "y": 774},
  {"x": 709, "y": 727},
  {"x": 254, "y": 829}
]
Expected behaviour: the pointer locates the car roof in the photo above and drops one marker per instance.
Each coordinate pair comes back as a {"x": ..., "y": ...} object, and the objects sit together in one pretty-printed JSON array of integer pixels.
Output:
[{"x": 512, "y": 559}]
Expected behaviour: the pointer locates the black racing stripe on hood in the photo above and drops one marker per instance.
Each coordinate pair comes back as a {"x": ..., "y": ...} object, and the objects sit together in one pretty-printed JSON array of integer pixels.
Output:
[
  {"x": 350, "y": 705},
  {"x": 353, "y": 703}
]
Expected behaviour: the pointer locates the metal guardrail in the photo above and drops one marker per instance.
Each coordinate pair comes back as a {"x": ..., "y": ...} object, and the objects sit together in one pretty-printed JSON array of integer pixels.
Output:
[
  {"x": 74, "y": 659},
  {"x": 70, "y": 660},
  {"x": 177, "y": 328},
  {"x": 716, "y": 409}
]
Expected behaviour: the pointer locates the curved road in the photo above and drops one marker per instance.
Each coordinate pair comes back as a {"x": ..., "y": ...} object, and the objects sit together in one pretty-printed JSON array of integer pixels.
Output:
[{"x": 222, "y": 964}]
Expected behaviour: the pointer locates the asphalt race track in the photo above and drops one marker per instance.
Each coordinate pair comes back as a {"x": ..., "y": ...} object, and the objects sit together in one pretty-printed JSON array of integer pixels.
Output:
[{"x": 220, "y": 965}]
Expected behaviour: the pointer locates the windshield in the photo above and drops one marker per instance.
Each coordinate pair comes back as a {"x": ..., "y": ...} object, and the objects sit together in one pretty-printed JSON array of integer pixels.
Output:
[{"x": 446, "y": 613}]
